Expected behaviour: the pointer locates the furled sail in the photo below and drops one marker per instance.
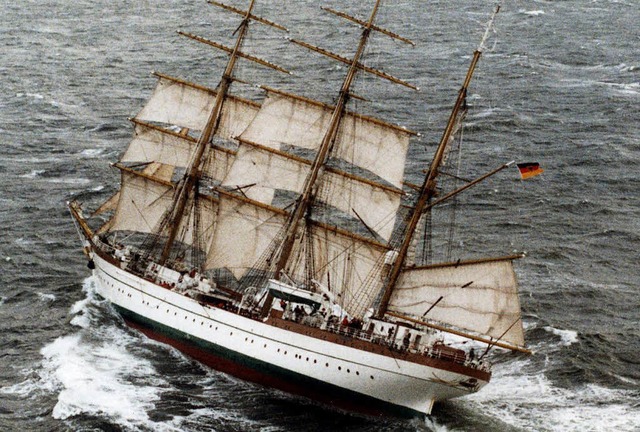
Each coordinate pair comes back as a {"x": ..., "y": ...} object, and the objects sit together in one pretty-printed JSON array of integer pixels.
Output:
[
  {"x": 371, "y": 144},
  {"x": 479, "y": 296},
  {"x": 188, "y": 105}
]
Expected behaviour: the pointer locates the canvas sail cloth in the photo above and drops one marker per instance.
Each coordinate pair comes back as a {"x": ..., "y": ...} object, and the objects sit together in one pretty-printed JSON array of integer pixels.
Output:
[
  {"x": 289, "y": 120},
  {"x": 145, "y": 196},
  {"x": 144, "y": 199},
  {"x": 488, "y": 306},
  {"x": 242, "y": 233},
  {"x": 154, "y": 144},
  {"x": 188, "y": 105}
]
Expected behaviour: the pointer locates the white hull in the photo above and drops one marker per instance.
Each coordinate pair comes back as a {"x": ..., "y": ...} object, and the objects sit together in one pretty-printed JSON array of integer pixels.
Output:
[{"x": 403, "y": 385}]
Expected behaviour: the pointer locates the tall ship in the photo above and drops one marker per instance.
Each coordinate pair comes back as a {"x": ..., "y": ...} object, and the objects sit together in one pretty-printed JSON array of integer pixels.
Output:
[{"x": 278, "y": 240}]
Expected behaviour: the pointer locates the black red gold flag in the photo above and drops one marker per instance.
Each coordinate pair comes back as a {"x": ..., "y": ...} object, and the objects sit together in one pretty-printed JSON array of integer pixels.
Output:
[{"x": 529, "y": 169}]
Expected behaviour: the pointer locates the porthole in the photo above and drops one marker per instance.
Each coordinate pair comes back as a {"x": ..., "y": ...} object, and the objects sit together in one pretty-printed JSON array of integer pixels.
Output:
[
  {"x": 339, "y": 368},
  {"x": 371, "y": 376}
]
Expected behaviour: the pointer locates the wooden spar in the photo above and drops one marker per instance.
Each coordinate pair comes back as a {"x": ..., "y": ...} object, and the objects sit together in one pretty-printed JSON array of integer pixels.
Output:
[
  {"x": 306, "y": 198},
  {"x": 428, "y": 189},
  {"x": 76, "y": 212},
  {"x": 467, "y": 186},
  {"x": 467, "y": 262},
  {"x": 301, "y": 160},
  {"x": 144, "y": 175},
  {"x": 358, "y": 65},
  {"x": 206, "y": 89},
  {"x": 188, "y": 138},
  {"x": 364, "y": 23},
  {"x": 497, "y": 340},
  {"x": 489, "y": 341},
  {"x": 251, "y": 16},
  {"x": 190, "y": 180},
  {"x": 230, "y": 50},
  {"x": 373, "y": 120}
]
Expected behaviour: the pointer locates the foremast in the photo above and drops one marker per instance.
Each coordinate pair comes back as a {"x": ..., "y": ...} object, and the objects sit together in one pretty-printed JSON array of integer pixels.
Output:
[
  {"x": 187, "y": 189},
  {"x": 190, "y": 181},
  {"x": 428, "y": 190}
]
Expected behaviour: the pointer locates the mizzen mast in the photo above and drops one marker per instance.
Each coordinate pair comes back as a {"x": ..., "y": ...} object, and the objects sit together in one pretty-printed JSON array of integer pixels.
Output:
[{"x": 428, "y": 188}]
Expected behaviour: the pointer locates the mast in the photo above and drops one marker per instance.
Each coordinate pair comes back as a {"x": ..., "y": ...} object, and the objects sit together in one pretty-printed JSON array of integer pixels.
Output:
[
  {"x": 190, "y": 180},
  {"x": 428, "y": 189},
  {"x": 305, "y": 200}
]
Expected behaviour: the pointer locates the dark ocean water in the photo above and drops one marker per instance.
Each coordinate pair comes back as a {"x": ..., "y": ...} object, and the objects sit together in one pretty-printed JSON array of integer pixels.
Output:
[{"x": 560, "y": 85}]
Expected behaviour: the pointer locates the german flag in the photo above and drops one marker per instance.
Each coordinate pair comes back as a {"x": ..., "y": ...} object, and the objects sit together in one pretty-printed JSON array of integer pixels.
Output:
[{"x": 529, "y": 169}]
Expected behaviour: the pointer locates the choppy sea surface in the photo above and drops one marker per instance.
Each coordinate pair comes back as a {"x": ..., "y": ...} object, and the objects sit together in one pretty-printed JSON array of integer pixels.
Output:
[{"x": 559, "y": 84}]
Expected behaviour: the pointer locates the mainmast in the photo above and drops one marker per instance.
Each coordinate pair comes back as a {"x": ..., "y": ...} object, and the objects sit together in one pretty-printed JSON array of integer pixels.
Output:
[
  {"x": 428, "y": 189},
  {"x": 306, "y": 198}
]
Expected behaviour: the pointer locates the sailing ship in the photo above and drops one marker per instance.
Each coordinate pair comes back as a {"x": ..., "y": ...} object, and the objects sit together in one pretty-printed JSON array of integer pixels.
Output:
[{"x": 279, "y": 241}]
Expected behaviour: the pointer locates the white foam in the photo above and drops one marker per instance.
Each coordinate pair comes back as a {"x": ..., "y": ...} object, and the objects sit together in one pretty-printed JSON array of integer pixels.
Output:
[
  {"x": 30, "y": 95},
  {"x": 46, "y": 297},
  {"x": 33, "y": 174},
  {"x": 434, "y": 426},
  {"x": 567, "y": 337},
  {"x": 75, "y": 181},
  {"x": 97, "y": 380},
  {"x": 94, "y": 372},
  {"x": 533, "y": 12},
  {"x": 91, "y": 152},
  {"x": 533, "y": 403}
]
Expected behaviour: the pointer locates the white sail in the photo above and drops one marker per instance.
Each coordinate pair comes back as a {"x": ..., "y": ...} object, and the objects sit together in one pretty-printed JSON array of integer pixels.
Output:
[
  {"x": 177, "y": 102},
  {"x": 343, "y": 262},
  {"x": 478, "y": 296},
  {"x": 142, "y": 203},
  {"x": 366, "y": 142},
  {"x": 259, "y": 171},
  {"x": 153, "y": 144},
  {"x": 243, "y": 232},
  {"x": 374, "y": 205},
  {"x": 145, "y": 199}
]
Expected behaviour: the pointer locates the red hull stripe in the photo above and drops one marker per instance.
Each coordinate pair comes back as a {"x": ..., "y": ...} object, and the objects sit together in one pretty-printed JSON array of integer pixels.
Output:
[{"x": 263, "y": 373}]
